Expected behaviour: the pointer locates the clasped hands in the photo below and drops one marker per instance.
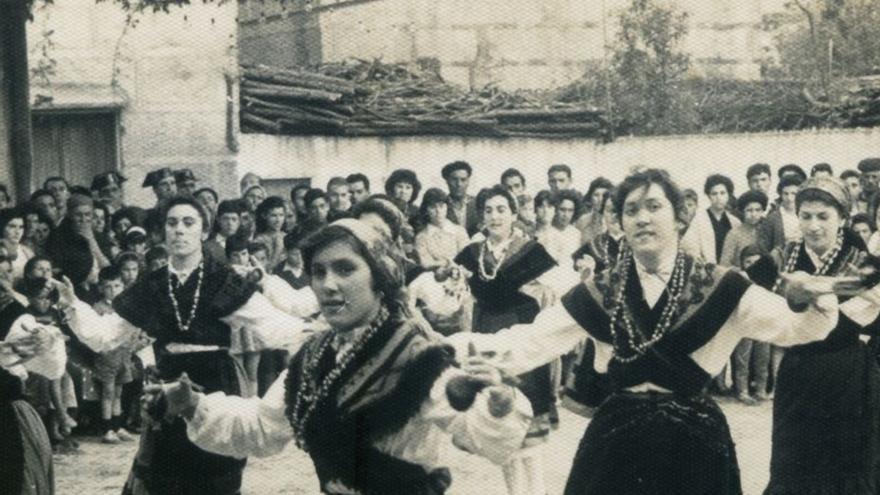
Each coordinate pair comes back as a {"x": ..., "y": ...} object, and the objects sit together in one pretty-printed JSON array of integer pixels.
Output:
[
  {"x": 801, "y": 289},
  {"x": 480, "y": 374},
  {"x": 167, "y": 401}
]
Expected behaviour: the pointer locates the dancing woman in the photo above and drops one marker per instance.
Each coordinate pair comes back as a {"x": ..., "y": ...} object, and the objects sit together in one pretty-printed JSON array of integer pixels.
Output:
[
  {"x": 189, "y": 307},
  {"x": 826, "y": 414},
  {"x": 663, "y": 324},
  {"x": 367, "y": 399},
  {"x": 505, "y": 267}
]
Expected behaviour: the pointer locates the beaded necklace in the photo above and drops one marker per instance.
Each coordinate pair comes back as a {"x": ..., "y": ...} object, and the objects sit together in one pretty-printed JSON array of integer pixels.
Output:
[
  {"x": 482, "y": 260},
  {"x": 601, "y": 248},
  {"x": 826, "y": 260},
  {"x": 310, "y": 393},
  {"x": 184, "y": 327},
  {"x": 621, "y": 316}
]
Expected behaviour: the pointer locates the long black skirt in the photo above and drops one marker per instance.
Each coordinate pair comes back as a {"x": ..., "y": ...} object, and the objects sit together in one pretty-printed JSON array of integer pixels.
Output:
[
  {"x": 826, "y": 421},
  {"x": 167, "y": 463},
  {"x": 652, "y": 443}
]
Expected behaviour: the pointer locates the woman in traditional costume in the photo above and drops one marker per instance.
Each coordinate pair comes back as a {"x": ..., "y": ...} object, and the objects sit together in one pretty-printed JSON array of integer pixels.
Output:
[
  {"x": 25, "y": 346},
  {"x": 601, "y": 251},
  {"x": 663, "y": 323},
  {"x": 189, "y": 307},
  {"x": 506, "y": 266},
  {"x": 585, "y": 388},
  {"x": 826, "y": 414},
  {"x": 369, "y": 398}
]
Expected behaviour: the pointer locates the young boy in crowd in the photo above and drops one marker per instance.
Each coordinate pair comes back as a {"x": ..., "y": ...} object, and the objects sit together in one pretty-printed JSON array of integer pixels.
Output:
[
  {"x": 113, "y": 368},
  {"x": 129, "y": 266},
  {"x": 259, "y": 253},
  {"x": 751, "y": 358},
  {"x": 236, "y": 250},
  {"x": 291, "y": 271}
]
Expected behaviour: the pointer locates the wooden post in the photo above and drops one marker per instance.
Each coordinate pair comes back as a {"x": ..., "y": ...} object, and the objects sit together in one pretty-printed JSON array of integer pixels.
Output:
[{"x": 14, "y": 16}]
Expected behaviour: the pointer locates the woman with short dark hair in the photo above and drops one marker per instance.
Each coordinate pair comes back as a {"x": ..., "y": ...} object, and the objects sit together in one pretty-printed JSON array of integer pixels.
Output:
[
  {"x": 506, "y": 266},
  {"x": 663, "y": 324},
  {"x": 271, "y": 218},
  {"x": 439, "y": 241},
  {"x": 403, "y": 186},
  {"x": 369, "y": 398},
  {"x": 12, "y": 222},
  {"x": 190, "y": 307}
]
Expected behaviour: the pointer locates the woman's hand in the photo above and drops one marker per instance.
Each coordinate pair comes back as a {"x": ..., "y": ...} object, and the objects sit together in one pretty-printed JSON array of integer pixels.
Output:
[
  {"x": 66, "y": 292},
  {"x": 484, "y": 375},
  {"x": 481, "y": 374},
  {"x": 802, "y": 288},
  {"x": 257, "y": 271},
  {"x": 180, "y": 398},
  {"x": 585, "y": 266}
]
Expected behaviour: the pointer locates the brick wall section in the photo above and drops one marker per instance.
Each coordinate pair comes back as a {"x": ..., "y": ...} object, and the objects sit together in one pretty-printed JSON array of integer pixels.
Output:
[
  {"x": 515, "y": 43},
  {"x": 171, "y": 78}
]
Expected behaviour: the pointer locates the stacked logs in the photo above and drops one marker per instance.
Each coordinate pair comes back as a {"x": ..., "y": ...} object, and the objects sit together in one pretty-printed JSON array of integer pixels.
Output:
[{"x": 362, "y": 98}]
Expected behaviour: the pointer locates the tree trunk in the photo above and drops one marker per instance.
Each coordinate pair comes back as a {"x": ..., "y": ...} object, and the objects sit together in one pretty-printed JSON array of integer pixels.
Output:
[{"x": 13, "y": 35}]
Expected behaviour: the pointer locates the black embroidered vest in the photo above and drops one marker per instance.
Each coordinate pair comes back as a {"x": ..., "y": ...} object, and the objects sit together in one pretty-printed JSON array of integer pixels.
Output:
[
  {"x": 147, "y": 305},
  {"x": 520, "y": 268},
  {"x": 380, "y": 391},
  {"x": 710, "y": 296}
]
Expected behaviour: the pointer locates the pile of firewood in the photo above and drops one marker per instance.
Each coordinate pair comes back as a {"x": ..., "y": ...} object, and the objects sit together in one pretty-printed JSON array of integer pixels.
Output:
[{"x": 359, "y": 98}]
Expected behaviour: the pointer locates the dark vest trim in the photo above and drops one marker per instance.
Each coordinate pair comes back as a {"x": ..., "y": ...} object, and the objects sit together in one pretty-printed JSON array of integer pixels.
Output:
[
  {"x": 341, "y": 439},
  {"x": 668, "y": 363},
  {"x": 589, "y": 314},
  {"x": 416, "y": 381},
  {"x": 692, "y": 330}
]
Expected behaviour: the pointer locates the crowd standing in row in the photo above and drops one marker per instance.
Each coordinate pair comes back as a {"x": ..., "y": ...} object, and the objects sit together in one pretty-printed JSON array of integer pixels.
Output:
[{"x": 261, "y": 307}]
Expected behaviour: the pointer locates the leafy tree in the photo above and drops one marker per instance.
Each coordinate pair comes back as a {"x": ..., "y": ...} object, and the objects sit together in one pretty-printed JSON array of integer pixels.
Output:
[
  {"x": 648, "y": 67},
  {"x": 833, "y": 39}
]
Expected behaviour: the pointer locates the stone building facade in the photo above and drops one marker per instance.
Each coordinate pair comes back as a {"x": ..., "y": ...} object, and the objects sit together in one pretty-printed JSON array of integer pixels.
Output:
[
  {"x": 134, "y": 94},
  {"x": 517, "y": 44}
]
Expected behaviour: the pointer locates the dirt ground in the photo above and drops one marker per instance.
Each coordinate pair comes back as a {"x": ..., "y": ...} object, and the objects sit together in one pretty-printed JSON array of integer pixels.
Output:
[{"x": 102, "y": 468}]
